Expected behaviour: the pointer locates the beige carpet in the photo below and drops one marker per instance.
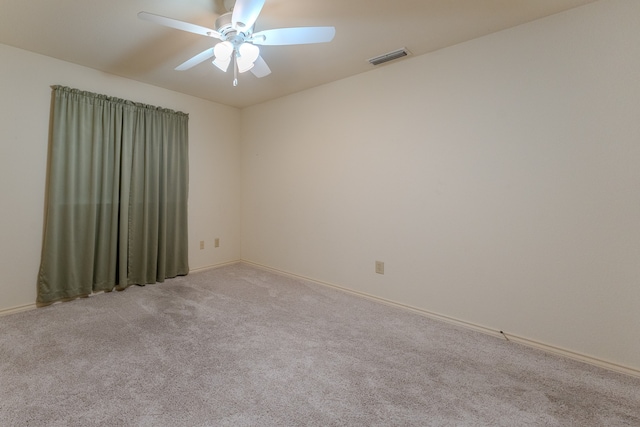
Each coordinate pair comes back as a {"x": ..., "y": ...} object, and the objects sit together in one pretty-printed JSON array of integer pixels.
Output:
[{"x": 240, "y": 346}]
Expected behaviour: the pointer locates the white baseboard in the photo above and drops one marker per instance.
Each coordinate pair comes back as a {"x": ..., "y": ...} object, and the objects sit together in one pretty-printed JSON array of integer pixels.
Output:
[
  {"x": 18, "y": 309},
  {"x": 496, "y": 333},
  {"x": 209, "y": 267},
  {"x": 576, "y": 356}
]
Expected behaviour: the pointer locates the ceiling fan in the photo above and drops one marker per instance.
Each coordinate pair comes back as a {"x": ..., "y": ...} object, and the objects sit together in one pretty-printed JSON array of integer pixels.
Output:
[{"x": 238, "y": 43}]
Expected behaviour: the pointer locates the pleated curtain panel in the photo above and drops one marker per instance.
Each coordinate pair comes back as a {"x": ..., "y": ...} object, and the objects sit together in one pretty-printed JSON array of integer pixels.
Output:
[{"x": 117, "y": 195}]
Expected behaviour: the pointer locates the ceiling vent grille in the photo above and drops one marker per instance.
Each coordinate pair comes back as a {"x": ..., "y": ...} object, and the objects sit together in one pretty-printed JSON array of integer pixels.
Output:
[{"x": 396, "y": 54}]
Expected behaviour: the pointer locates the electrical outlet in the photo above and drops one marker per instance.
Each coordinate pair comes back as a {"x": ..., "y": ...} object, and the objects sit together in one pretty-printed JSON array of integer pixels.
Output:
[
  {"x": 216, "y": 243},
  {"x": 201, "y": 244},
  {"x": 379, "y": 267}
]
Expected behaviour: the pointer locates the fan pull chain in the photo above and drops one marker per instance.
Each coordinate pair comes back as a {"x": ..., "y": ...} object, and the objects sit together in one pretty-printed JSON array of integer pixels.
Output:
[{"x": 235, "y": 70}]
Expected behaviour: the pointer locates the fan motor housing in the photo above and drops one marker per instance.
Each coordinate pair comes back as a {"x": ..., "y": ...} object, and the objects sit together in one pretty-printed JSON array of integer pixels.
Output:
[{"x": 224, "y": 25}]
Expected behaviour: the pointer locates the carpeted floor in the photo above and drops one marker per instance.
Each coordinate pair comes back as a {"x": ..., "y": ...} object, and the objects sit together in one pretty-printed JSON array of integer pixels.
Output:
[{"x": 241, "y": 346}]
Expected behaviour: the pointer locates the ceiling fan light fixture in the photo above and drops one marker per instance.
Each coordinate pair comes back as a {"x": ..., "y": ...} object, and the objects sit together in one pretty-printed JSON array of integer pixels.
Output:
[
  {"x": 249, "y": 52},
  {"x": 223, "y": 50},
  {"x": 244, "y": 65},
  {"x": 223, "y": 64}
]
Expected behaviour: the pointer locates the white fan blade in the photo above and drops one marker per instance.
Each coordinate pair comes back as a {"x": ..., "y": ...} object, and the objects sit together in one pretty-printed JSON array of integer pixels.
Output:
[
  {"x": 260, "y": 68},
  {"x": 179, "y": 25},
  {"x": 245, "y": 13},
  {"x": 300, "y": 35},
  {"x": 201, "y": 57}
]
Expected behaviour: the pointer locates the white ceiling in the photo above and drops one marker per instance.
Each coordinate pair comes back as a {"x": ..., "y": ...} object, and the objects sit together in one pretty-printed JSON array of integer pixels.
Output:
[{"x": 107, "y": 35}]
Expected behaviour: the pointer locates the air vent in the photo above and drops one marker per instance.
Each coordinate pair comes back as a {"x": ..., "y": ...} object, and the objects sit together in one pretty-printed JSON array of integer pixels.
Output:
[{"x": 396, "y": 54}]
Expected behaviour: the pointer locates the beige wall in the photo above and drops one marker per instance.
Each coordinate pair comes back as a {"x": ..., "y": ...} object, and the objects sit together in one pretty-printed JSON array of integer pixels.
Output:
[
  {"x": 499, "y": 181},
  {"x": 25, "y": 96}
]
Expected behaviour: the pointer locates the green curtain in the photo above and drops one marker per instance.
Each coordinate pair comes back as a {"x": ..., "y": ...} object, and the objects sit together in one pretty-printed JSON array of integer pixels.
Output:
[{"x": 117, "y": 196}]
